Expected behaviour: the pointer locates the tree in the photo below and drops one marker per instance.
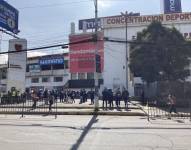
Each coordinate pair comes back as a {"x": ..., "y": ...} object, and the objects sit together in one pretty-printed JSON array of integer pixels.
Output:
[{"x": 160, "y": 54}]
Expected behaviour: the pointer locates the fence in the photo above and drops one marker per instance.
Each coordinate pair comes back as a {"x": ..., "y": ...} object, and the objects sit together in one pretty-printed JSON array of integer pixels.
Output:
[
  {"x": 156, "y": 109},
  {"x": 25, "y": 105}
]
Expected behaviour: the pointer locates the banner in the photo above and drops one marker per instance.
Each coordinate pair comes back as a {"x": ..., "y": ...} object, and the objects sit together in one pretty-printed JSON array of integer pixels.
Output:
[
  {"x": 51, "y": 61},
  {"x": 172, "y": 6},
  {"x": 8, "y": 17},
  {"x": 82, "y": 55}
]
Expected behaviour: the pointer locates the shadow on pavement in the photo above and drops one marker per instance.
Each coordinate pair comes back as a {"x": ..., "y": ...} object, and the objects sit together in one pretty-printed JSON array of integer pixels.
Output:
[{"x": 84, "y": 133}]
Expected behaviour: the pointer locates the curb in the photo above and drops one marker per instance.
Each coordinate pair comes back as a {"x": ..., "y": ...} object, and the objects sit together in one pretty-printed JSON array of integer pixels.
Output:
[{"x": 78, "y": 113}]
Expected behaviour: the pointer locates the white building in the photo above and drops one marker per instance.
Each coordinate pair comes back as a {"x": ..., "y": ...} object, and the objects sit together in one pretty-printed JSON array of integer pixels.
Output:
[
  {"x": 114, "y": 53},
  {"x": 47, "y": 72}
]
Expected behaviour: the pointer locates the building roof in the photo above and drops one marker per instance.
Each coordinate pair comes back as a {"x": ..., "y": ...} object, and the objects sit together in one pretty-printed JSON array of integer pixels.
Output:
[{"x": 54, "y": 55}]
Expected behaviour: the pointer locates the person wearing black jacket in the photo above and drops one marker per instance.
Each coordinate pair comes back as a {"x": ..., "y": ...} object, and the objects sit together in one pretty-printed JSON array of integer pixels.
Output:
[
  {"x": 92, "y": 96},
  {"x": 104, "y": 97},
  {"x": 118, "y": 98},
  {"x": 110, "y": 98},
  {"x": 125, "y": 96}
]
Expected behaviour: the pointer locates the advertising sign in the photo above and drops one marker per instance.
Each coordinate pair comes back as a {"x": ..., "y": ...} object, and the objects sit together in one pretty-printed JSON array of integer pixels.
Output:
[
  {"x": 8, "y": 17},
  {"x": 34, "y": 68},
  {"x": 119, "y": 21},
  {"x": 172, "y": 6},
  {"x": 17, "y": 65},
  {"x": 90, "y": 23},
  {"x": 82, "y": 55},
  {"x": 51, "y": 61}
]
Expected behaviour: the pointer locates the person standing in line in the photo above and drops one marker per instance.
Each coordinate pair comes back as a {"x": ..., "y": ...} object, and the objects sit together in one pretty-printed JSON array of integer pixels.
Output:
[
  {"x": 45, "y": 96},
  {"x": 118, "y": 98},
  {"x": 81, "y": 96},
  {"x": 85, "y": 96},
  {"x": 172, "y": 103},
  {"x": 110, "y": 98},
  {"x": 34, "y": 99},
  {"x": 92, "y": 96},
  {"x": 125, "y": 96},
  {"x": 104, "y": 98},
  {"x": 72, "y": 95},
  {"x": 51, "y": 100},
  {"x": 61, "y": 94}
]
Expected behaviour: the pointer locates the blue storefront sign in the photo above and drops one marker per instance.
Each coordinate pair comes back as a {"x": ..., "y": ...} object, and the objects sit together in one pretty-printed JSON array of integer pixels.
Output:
[
  {"x": 8, "y": 17},
  {"x": 90, "y": 23},
  {"x": 172, "y": 6},
  {"x": 51, "y": 61}
]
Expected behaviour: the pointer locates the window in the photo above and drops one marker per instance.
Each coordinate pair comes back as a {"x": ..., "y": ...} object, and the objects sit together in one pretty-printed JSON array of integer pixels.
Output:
[
  {"x": 33, "y": 68},
  {"x": 81, "y": 76},
  {"x": 45, "y": 67},
  {"x": 58, "y": 66},
  {"x": 35, "y": 80},
  {"x": 74, "y": 76},
  {"x": 45, "y": 79},
  {"x": 58, "y": 79},
  {"x": 90, "y": 75},
  {"x": 66, "y": 64}
]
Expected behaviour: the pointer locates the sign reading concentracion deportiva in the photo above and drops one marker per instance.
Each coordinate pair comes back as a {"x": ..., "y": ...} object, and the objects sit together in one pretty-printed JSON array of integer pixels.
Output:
[{"x": 117, "y": 21}]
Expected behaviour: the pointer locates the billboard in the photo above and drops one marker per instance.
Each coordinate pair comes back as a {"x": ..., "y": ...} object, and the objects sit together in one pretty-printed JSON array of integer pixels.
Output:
[
  {"x": 172, "y": 6},
  {"x": 8, "y": 17},
  {"x": 82, "y": 55},
  {"x": 17, "y": 65},
  {"x": 51, "y": 61},
  {"x": 90, "y": 23}
]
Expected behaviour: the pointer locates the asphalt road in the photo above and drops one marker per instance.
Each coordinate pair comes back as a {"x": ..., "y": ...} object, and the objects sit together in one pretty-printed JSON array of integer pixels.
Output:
[{"x": 93, "y": 133}]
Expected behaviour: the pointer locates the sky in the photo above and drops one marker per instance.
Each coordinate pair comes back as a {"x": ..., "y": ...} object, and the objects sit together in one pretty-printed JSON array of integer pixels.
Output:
[{"x": 47, "y": 22}]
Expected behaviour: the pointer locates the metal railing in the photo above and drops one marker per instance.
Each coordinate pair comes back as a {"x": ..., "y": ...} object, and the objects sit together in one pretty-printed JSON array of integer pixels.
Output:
[
  {"x": 155, "y": 110},
  {"x": 25, "y": 105}
]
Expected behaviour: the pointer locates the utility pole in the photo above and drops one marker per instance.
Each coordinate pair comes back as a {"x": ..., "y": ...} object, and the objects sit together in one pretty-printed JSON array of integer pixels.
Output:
[
  {"x": 96, "y": 107},
  {"x": 126, "y": 15}
]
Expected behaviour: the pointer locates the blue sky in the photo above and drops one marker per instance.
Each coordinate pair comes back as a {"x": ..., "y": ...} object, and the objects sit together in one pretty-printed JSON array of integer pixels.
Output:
[{"x": 45, "y": 22}]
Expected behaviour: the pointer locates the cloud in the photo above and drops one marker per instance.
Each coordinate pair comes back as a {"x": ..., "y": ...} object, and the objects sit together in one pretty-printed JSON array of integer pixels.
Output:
[
  {"x": 3, "y": 59},
  {"x": 104, "y": 4},
  {"x": 33, "y": 54}
]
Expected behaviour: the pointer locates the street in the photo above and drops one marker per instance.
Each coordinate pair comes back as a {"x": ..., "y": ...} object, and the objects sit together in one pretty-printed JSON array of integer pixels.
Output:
[{"x": 92, "y": 133}]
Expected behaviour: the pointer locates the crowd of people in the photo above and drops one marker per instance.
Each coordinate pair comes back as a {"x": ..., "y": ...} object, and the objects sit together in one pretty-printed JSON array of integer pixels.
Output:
[
  {"x": 62, "y": 96},
  {"x": 68, "y": 96},
  {"x": 108, "y": 97}
]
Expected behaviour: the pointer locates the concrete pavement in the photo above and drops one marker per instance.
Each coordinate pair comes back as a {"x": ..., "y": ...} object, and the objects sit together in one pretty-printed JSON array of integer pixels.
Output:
[{"x": 92, "y": 133}]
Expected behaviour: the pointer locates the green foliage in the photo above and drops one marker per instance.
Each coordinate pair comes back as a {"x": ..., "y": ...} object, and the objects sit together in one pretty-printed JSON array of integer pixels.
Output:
[{"x": 160, "y": 54}]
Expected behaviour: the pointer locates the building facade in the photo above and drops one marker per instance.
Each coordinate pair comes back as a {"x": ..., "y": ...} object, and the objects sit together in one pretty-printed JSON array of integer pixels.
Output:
[
  {"x": 116, "y": 73},
  {"x": 47, "y": 72}
]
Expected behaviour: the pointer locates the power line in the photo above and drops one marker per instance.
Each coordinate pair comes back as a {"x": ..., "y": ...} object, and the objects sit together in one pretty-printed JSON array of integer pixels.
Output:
[
  {"x": 48, "y": 47},
  {"x": 91, "y": 40}
]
